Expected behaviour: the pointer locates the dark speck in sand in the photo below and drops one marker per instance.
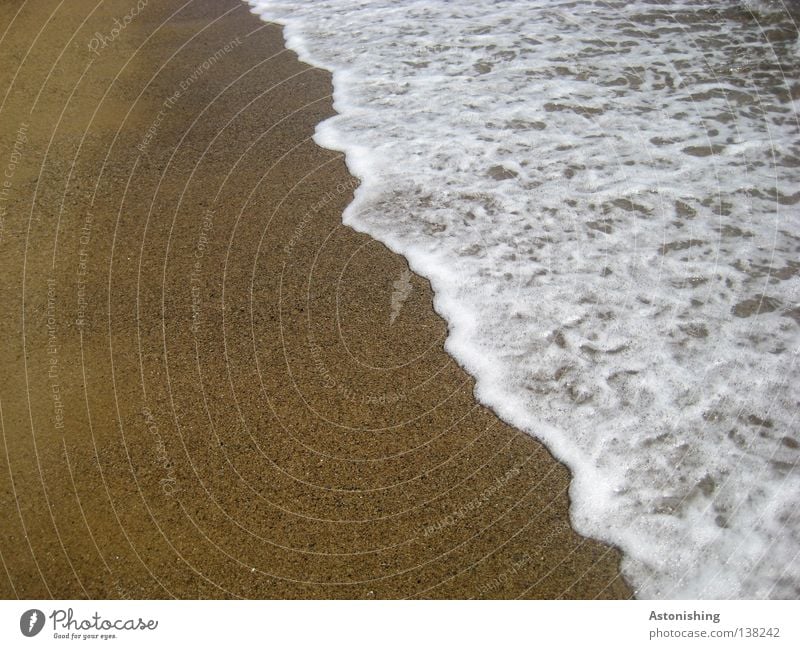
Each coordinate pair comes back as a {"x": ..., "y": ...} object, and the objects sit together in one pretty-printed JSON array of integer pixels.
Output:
[
  {"x": 704, "y": 151},
  {"x": 680, "y": 245},
  {"x": 499, "y": 172},
  {"x": 757, "y": 421},
  {"x": 755, "y": 305}
]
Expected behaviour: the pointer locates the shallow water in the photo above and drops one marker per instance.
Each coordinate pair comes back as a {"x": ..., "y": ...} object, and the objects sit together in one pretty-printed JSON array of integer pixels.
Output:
[{"x": 605, "y": 197}]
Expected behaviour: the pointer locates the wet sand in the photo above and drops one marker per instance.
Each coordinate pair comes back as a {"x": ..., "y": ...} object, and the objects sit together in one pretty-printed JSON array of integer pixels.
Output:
[{"x": 211, "y": 388}]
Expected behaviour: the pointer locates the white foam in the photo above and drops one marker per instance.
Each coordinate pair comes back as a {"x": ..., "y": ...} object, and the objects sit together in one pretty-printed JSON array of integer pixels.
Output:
[{"x": 600, "y": 194}]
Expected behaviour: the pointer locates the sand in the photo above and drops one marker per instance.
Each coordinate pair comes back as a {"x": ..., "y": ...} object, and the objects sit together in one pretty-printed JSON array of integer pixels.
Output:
[{"x": 211, "y": 388}]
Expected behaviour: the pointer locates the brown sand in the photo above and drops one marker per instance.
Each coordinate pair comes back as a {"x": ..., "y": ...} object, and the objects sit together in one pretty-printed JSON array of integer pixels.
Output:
[{"x": 202, "y": 393}]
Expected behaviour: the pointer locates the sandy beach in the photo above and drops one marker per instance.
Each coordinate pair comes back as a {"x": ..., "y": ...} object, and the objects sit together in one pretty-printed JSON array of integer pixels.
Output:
[{"x": 210, "y": 387}]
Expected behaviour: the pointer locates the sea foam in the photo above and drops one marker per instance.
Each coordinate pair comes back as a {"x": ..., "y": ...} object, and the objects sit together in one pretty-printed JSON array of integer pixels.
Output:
[{"x": 604, "y": 196}]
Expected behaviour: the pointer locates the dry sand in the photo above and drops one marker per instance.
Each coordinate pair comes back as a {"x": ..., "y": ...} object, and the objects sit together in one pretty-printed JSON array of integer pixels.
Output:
[{"x": 210, "y": 387}]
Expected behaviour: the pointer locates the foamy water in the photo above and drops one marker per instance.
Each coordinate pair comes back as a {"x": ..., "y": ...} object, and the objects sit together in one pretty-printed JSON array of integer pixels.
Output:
[{"x": 604, "y": 197}]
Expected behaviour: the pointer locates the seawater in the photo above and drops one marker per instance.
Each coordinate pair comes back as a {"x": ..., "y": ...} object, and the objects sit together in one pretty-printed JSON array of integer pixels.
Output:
[{"x": 605, "y": 198}]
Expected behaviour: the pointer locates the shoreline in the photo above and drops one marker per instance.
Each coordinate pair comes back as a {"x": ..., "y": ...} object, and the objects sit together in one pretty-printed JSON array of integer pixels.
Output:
[{"x": 237, "y": 396}]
